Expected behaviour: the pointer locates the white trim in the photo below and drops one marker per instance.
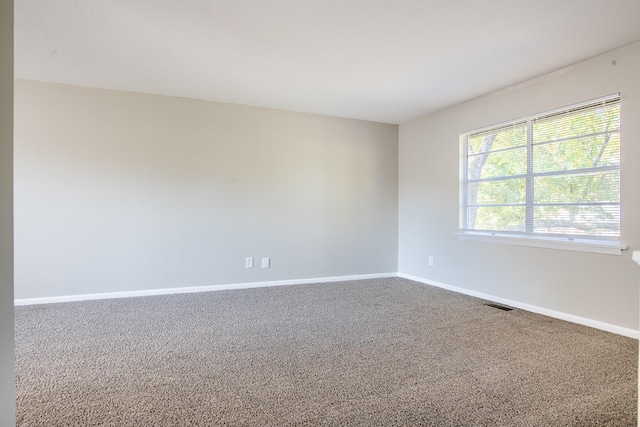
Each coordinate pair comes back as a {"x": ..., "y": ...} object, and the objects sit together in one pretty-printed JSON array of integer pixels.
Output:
[
  {"x": 631, "y": 333},
  {"x": 562, "y": 243},
  {"x": 636, "y": 256},
  {"x": 195, "y": 289}
]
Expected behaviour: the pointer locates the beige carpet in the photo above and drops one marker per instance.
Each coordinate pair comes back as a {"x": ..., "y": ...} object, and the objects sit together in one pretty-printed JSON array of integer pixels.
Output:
[{"x": 385, "y": 352}]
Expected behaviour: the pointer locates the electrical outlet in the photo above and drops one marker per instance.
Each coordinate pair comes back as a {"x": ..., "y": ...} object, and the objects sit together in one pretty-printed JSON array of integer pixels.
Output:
[
  {"x": 430, "y": 260},
  {"x": 248, "y": 262},
  {"x": 266, "y": 262}
]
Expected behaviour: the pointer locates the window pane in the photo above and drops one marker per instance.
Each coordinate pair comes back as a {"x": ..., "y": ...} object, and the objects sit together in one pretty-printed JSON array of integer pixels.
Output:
[
  {"x": 578, "y": 188},
  {"x": 505, "y": 218},
  {"x": 513, "y": 136},
  {"x": 508, "y": 191},
  {"x": 572, "y": 124},
  {"x": 501, "y": 163},
  {"x": 580, "y": 153},
  {"x": 578, "y": 220}
]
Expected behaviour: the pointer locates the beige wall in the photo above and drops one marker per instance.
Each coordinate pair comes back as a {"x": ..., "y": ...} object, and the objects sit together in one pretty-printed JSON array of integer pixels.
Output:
[
  {"x": 603, "y": 288},
  {"x": 119, "y": 191},
  {"x": 7, "y": 384}
]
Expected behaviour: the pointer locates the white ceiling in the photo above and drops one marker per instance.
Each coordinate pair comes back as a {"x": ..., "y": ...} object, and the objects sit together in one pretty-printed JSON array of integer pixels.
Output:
[{"x": 381, "y": 60}]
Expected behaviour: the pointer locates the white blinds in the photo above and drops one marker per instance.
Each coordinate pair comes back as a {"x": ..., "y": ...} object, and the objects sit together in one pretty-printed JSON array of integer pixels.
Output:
[{"x": 556, "y": 173}]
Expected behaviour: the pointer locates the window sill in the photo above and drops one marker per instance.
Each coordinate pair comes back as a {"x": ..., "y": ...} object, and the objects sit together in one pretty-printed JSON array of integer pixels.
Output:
[{"x": 561, "y": 243}]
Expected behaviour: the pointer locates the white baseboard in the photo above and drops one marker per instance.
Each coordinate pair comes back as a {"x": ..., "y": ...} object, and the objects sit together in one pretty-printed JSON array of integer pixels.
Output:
[
  {"x": 194, "y": 289},
  {"x": 631, "y": 333}
]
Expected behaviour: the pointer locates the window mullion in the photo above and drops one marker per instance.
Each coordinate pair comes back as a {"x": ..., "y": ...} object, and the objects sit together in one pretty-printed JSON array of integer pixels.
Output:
[
  {"x": 465, "y": 187},
  {"x": 529, "y": 180}
]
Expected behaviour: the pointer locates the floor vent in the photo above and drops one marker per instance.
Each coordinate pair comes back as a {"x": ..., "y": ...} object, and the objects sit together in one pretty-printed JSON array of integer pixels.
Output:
[{"x": 499, "y": 307}]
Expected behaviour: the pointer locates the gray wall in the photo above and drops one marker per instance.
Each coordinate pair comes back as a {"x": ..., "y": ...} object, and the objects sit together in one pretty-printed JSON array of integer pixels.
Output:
[
  {"x": 118, "y": 191},
  {"x": 7, "y": 382},
  {"x": 603, "y": 288}
]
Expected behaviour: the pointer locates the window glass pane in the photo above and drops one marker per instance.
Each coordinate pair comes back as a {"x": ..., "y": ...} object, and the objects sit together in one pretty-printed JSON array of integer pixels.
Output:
[
  {"x": 572, "y": 124},
  {"x": 501, "y": 163},
  {"x": 580, "y": 153},
  {"x": 611, "y": 153},
  {"x": 578, "y": 220},
  {"x": 512, "y": 136},
  {"x": 578, "y": 188},
  {"x": 508, "y": 191},
  {"x": 507, "y": 218}
]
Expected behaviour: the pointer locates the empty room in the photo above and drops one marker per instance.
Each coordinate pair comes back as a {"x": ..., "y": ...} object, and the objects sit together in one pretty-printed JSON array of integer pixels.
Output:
[{"x": 376, "y": 213}]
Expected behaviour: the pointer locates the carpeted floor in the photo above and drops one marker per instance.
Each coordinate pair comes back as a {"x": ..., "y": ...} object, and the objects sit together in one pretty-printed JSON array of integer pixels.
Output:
[{"x": 384, "y": 352}]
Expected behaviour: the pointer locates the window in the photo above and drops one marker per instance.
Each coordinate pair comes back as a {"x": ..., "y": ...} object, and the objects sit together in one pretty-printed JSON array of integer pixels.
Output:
[{"x": 550, "y": 177}]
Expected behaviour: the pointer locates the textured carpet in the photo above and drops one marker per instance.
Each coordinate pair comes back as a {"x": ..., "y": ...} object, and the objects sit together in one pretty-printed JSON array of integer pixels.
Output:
[{"x": 385, "y": 352}]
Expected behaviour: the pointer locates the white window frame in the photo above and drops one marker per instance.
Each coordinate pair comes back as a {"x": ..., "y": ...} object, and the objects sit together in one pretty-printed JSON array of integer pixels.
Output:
[{"x": 593, "y": 244}]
